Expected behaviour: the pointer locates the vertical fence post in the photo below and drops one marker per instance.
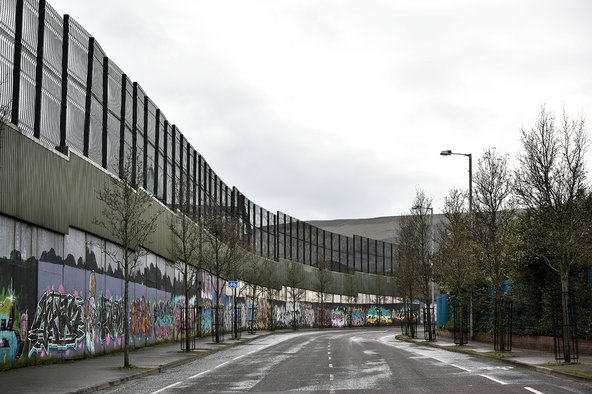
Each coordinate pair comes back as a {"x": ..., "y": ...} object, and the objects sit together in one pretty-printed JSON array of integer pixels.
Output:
[{"x": 39, "y": 69}]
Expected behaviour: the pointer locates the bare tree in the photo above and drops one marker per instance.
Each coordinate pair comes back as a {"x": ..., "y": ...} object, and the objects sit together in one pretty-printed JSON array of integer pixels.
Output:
[
  {"x": 224, "y": 250},
  {"x": 324, "y": 280},
  {"x": 493, "y": 216},
  {"x": 550, "y": 183},
  {"x": 454, "y": 263},
  {"x": 294, "y": 283},
  {"x": 421, "y": 219},
  {"x": 272, "y": 284},
  {"x": 185, "y": 248},
  {"x": 379, "y": 297},
  {"x": 351, "y": 287},
  {"x": 128, "y": 217},
  {"x": 407, "y": 273},
  {"x": 255, "y": 275}
]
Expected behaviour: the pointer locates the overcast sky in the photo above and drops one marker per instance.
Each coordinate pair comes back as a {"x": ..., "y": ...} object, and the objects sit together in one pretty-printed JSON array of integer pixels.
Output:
[{"x": 339, "y": 109}]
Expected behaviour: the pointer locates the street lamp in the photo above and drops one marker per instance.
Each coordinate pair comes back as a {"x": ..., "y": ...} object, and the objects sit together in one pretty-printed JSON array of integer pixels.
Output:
[
  {"x": 432, "y": 304},
  {"x": 470, "y": 156}
]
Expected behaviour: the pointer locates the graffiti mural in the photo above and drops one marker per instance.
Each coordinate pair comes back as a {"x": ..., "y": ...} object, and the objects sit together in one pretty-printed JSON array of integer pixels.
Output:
[
  {"x": 338, "y": 317},
  {"x": 378, "y": 315},
  {"x": 11, "y": 344},
  {"x": 111, "y": 319},
  {"x": 71, "y": 324},
  {"x": 357, "y": 317},
  {"x": 164, "y": 319},
  {"x": 58, "y": 323},
  {"x": 141, "y": 318},
  {"x": 17, "y": 301},
  {"x": 77, "y": 307}
]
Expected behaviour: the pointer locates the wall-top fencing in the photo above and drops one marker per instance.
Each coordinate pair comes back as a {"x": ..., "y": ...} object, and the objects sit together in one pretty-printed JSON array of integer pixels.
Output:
[{"x": 67, "y": 93}]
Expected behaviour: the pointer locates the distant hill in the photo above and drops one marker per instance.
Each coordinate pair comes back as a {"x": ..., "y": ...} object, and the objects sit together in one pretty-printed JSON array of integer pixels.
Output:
[{"x": 384, "y": 228}]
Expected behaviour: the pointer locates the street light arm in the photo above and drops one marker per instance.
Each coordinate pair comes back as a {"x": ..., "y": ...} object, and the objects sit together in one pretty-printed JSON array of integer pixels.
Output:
[{"x": 448, "y": 152}]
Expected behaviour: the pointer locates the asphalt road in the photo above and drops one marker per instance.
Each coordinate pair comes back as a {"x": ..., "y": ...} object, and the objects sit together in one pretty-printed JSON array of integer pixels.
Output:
[{"x": 336, "y": 361}]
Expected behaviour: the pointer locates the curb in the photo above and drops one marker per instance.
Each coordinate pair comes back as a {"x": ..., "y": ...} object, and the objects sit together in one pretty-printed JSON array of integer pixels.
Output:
[
  {"x": 161, "y": 368},
  {"x": 538, "y": 368}
]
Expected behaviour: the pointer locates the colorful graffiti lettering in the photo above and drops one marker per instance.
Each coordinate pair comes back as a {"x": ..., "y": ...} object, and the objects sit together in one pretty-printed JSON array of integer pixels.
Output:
[
  {"x": 338, "y": 317},
  {"x": 10, "y": 340},
  {"x": 111, "y": 318},
  {"x": 141, "y": 318},
  {"x": 379, "y": 314},
  {"x": 164, "y": 321},
  {"x": 357, "y": 317},
  {"x": 58, "y": 323}
]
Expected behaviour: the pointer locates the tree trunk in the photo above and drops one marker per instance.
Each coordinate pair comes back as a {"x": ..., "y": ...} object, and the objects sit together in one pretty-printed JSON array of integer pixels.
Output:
[
  {"x": 186, "y": 309},
  {"x": 294, "y": 325},
  {"x": 565, "y": 312},
  {"x": 429, "y": 317},
  {"x": 126, "y": 362},
  {"x": 271, "y": 323},
  {"x": 322, "y": 319},
  {"x": 252, "y": 325},
  {"x": 217, "y": 310}
]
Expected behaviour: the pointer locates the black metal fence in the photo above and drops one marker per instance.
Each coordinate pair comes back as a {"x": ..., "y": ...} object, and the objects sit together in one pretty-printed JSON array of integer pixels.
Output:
[
  {"x": 460, "y": 314},
  {"x": 565, "y": 329},
  {"x": 65, "y": 91},
  {"x": 429, "y": 323},
  {"x": 502, "y": 325},
  {"x": 218, "y": 326},
  {"x": 189, "y": 328},
  {"x": 410, "y": 320}
]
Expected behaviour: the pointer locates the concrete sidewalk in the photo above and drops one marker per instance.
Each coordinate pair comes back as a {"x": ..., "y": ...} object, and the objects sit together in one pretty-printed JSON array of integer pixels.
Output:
[
  {"x": 91, "y": 374},
  {"x": 542, "y": 361}
]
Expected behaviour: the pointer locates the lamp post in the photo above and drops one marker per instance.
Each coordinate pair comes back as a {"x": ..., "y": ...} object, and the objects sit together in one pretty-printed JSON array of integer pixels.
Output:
[
  {"x": 470, "y": 156},
  {"x": 448, "y": 152},
  {"x": 431, "y": 253}
]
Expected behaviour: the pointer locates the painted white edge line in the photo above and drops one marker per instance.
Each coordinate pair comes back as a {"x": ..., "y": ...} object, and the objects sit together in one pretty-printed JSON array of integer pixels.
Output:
[
  {"x": 494, "y": 379},
  {"x": 166, "y": 388},
  {"x": 459, "y": 367},
  {"x": 533, "y": 390},
  {"x": 197, "y": 375}
]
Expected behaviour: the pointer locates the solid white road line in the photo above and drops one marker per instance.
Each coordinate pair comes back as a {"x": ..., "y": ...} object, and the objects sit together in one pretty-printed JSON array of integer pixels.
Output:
[
  {"x": 459, "y": 367},
  {"x": 533, "y": 390},
  {"x": 166, "y": 388},
  {"x": 494, "y": 379},
  {"x": 199, "y": 374}
]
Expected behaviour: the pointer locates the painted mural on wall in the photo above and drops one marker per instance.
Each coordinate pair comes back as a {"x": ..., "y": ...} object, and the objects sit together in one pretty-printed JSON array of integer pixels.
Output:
[
  {"x": 73, "y": 306},
  {"x": 379, "y": 315},
  {"x": 17, "y": 303},
  {"x": 70, "y": 323}
]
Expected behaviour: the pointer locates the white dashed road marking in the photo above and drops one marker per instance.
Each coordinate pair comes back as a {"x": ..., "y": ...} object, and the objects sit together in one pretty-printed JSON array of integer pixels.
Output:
[
  {"x": 493, "y": 379},
  {"x": 533, "y": 390}
]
